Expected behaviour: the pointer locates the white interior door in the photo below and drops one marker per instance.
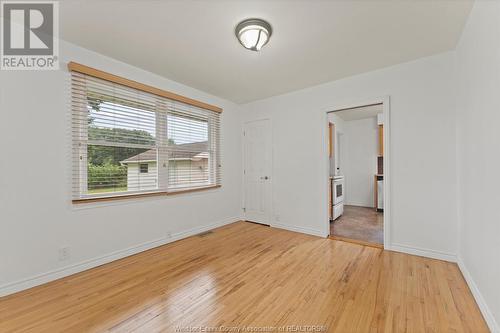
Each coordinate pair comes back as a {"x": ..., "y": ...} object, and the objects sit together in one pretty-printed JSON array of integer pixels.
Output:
[{"x": 257, "y": 171}]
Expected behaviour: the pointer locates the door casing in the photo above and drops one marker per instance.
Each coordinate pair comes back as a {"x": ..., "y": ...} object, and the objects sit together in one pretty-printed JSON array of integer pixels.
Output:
[{"x": 385, "y": 101}]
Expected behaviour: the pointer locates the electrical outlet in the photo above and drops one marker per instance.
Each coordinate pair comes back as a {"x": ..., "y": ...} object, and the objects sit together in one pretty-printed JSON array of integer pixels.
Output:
[
  {"x": 277, "y": 218},
  {"x": 64, "y": 253},
  {"x": 168, "y": 234}
]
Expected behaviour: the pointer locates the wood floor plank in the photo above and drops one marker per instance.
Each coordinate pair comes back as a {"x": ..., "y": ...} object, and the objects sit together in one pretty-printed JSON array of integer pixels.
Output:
[{"x": 245, "y": 274}]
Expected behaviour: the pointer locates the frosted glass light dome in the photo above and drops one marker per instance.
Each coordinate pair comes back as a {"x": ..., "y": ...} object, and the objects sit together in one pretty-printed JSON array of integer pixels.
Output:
[{"x": 253, "y": 34}]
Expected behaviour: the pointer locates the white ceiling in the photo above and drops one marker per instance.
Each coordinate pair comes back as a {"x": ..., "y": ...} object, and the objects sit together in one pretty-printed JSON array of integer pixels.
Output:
[
  {"x": 313, "y": 42},
  {"x": 360, "y": 113}
]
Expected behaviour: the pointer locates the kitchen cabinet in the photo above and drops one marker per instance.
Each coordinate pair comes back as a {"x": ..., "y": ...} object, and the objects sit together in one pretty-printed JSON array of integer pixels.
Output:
[
  {"x": 380, "y": 140},
  {"x": 330, "y": 198},
  {"x": 331, "y": 133}
]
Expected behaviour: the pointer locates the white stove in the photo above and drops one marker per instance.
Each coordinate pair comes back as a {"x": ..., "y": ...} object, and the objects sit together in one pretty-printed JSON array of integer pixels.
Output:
[{"x": 338, "y": 196}]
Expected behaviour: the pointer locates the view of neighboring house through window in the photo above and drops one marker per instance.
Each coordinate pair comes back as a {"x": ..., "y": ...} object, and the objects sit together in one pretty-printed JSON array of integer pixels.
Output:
[
  {"x": 118, "y": 130},
  {"x": 129, "y": 141},
  {"x": 188, "y": 153}
]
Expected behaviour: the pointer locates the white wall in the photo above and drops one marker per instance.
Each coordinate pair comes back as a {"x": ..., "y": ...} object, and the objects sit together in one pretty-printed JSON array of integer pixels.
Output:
[
  {"x": 360, "y": 162},
  {"x": 36, "y": 213},
  {"x": 424, "y": 210},
  {"x": 478, "y": 135}
]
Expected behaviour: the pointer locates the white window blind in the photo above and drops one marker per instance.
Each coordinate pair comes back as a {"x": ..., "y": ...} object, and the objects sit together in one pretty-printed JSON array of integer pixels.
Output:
[{"x": 120, "y": 132}]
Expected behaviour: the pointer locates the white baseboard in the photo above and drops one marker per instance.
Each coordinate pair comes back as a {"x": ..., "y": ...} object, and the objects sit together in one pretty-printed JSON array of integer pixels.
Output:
[
  {"x": 485, "y": 310},
  {"x": 302, "y": 230},
  {"x": 422, "y": 252},
  {"x": 33, "y": 281}
]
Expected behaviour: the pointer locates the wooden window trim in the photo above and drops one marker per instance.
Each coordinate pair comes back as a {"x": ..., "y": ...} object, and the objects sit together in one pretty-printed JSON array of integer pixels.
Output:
[
  {"x": 142, "y": 195},
  {"x": 76, "y": 67}
]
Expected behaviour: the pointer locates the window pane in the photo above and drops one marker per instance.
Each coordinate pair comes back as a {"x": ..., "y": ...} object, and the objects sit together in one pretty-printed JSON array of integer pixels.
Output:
[
  {"x": 120, "y": 123},
  {"x": 188, "y": 165},
  {"x": 117, "y": 169},
  {"x": 117, "y": 122},
  {"x": 183, "y": 129},
  {"x": 188, "y": 158},
  {"x": 144, "y": 167}
]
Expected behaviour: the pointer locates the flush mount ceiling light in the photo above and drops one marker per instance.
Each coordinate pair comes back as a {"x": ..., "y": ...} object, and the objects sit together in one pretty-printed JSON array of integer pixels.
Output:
[{"x": 253, "y": 34}]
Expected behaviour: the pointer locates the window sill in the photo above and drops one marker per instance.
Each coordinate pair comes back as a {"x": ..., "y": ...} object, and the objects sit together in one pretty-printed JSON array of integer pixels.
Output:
[{"x": 142, "y": 195}]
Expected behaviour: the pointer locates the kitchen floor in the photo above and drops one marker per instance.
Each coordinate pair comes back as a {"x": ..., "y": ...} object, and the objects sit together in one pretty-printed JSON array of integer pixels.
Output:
[{"x": 359, "y": 223}]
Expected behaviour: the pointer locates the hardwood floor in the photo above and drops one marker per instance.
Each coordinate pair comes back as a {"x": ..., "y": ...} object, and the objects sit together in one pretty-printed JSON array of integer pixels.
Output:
[
  {"x": 244, "y": 274},
  {"x": 363, "y": 224}
]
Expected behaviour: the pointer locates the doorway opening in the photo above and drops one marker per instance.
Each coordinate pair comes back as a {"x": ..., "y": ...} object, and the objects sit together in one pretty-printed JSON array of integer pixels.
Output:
[{"x": 356, "y": 182}]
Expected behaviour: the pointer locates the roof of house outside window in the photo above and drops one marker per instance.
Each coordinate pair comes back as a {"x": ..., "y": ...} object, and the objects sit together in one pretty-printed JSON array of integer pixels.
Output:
[{"x": 186, "y": 151}]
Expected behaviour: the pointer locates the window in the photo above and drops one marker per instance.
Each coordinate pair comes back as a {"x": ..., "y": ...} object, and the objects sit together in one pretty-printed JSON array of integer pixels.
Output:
[
  {"x": 128, "y": 141},
  {"x": 143, "y": 167}
]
